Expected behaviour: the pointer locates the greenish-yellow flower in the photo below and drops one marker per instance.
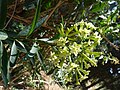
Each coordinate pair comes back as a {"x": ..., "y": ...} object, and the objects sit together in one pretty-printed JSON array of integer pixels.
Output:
[{"x": 75, "y": 48}]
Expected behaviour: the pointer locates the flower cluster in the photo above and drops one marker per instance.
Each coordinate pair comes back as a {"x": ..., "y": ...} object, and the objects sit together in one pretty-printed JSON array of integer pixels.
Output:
[{"x": 75, "y": 52}]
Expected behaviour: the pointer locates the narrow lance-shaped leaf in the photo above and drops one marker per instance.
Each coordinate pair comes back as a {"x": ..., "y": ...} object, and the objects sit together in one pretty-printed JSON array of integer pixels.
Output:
[
  {"x": 41, "y": 61},
  {"x": 1, "y": 53},
  {"x": 20, "y": 46},
  {"x": 47, "y": 40},
  {"x": 3, "y": 36},
  {"x": 77, "y": 80},
  {"x": 89, "y": 60},
  {"x": 32, "y": 52},
  {"x": 27, "y": 29},
  {"x": 32, "y": 59},
  {"x": 13, "y": 54},
  {"x": 5, "y": 67},
  {"x": 35, "y": 17}
]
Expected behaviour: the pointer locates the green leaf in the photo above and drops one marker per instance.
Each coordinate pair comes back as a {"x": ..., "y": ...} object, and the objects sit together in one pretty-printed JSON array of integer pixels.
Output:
[
  {"x": 13, "y": 54},
  {"x": 56, "y": 36},
  {"x": 33, "y": 50},
  {"x": 40, "y": 58},
  {"x": 89, "y": 59},
  {"x": 84, "y": 71},
  {"x": 61, "y": 30},
  {"x": 21, "y": 46},
  {"x": 1, "y": 52},
  {"x": 41, "y": 21},
  {"x": 77, "y": 80},
  {"x": 46, "y": 40},
  {"x": 3, "y": 36},
  {"x": 26, "y": 30},
  {"x": 32, "y": 59},
  {"x": 113, "y": 15},
  {"x": 3, "y": 12},
  {"x": 98, "y": 7},
  {"x": 5, "y": 67},
  {"x": 36, "y": 16}
]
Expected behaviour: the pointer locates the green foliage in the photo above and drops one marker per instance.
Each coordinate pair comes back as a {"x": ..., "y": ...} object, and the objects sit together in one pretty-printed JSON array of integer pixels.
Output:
[
  {"x": 17, "y": 46},
  {"x": 35, "y": 17},
  {"x": 14, "y": 52},
  {"x": 3, "y": 36},
  {"x": 47, "y": 4},
  {"x": 74, "y": 51},
  {"x": 98, "y": 7},
  {"x": 4, "y": 67},
  {"x": 26, "y": 30}
]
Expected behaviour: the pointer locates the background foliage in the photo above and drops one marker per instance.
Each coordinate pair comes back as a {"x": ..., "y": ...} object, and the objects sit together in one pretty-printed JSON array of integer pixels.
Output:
[{"x": 61, "y": 38}]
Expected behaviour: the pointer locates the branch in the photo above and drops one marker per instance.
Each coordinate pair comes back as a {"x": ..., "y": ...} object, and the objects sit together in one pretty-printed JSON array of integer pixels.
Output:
[
  {"x": 111, "y": 44},
  {"x": 11, "y": 15}
]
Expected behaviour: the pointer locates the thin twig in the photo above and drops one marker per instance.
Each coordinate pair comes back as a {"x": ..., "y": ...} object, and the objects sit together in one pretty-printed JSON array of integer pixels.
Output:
[
  {"x": 42, "y": 14},
  {"x": 11, "y": 15},
  {"x": 58, "y": 4},
  {"x": 111, "y": 44},
  {"x": 20, "y": 19}
]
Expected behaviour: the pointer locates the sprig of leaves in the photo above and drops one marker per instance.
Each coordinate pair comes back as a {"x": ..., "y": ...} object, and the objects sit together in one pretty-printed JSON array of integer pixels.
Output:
[{"x": 75, "y": 51}]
